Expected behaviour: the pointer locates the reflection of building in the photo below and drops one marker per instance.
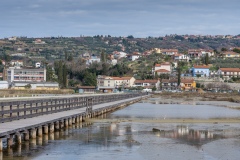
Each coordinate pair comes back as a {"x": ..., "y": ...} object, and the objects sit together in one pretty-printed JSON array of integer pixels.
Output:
[{"x": 186, "y": 134}]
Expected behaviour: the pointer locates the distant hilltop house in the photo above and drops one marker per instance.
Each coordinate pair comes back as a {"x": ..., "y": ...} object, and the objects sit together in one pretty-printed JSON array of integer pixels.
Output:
[
  {"x": 197, "y": 53},
  {"x": 16, "y": 62},
  {"x": 181, "y": 57},
  {"x": 169, "y": 52},
  {"x": 39, "y": 41},
  {"x": 12, "y": 38},
  {"x": 38, "y": 65},
  {"x": 134, "y": 56},
  {"x": 93, "y": 59},
  {"x": 118, "y": 55},
  {"x": 230, "y": 54},
  {"x": 3, "y": 62},
  {"x": 163, "y": 68}
]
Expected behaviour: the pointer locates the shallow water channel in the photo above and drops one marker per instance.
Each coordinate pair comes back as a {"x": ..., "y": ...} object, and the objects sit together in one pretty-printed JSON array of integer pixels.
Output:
[{"x": 129, "y": 134}]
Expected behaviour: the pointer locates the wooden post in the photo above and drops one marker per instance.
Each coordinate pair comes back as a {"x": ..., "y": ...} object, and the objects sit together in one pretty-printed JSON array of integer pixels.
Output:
[
  {"x": 9, "y": 141},
  {"x": 39, "y": 131},
  {"x": 45, "y": 129},
  {"x": 66, "y": 123},
  {"x": 19, "y": 138},
  {"x": 33, "y": 133},
  {"x": 51, "y": 128},
  {"x": 70, "y": 121},
  {"x": 56, "y": 125},
  {"x": 26, "y": 135},
  {"x": 1, "y": 145}
]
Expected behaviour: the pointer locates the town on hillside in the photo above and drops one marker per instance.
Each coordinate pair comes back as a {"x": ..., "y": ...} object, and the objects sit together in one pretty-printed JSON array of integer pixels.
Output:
[{"x": 173, "y": 63}]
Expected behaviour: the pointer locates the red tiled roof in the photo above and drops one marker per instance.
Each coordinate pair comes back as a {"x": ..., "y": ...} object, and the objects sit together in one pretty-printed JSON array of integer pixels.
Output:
[
  {"x": 230, "y": 52},
  {"x": 201, "y": 66},
  {"x": 162, "y": 70},
  {"x": 121, "y": 78},
  {"x": 86, "y": 87},
  {"x": 230, "y": 69},
  {"x": 146, "y": 81},
  {"x": 187, "y": 80}
]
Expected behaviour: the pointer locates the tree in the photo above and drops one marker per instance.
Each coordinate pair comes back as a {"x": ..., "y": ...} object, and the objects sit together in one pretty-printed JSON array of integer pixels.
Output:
[
  {"x": 103, "y": 56},
  {"x": 90, "y": 79},
  {"x": 206, "y": 59},
  {"x": 64, "y": 76},
  {"x": 224, "y": 49}
]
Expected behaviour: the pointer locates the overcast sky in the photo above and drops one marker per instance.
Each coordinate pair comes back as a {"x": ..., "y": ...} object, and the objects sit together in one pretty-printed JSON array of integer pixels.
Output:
[{"x": 140, "y": 18}]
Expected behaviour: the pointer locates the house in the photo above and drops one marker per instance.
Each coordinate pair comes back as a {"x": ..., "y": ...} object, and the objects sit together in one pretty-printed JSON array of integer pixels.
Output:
[
  {"x": 108, "y": 83},
  {"x": 24, "y": 74},
  {"x": 181, "y": 57},
  {"x": 118, "y": 55},
  {"x": 3, "y": 62},
  {"x": 134, "y": 56},
  {"x": 161, "y": 71},
  {"x": 169, "y": 52},
  {"x": 194, "y": 53},
  {"x": 227, "y": 73},
  {"x": 86, "y": 89},
  {"x": 163, "y": 67},
  {"x": 200, "y": 70},
  {"x": 230, "y": 54},
  {"x": 38, "y": 65},
  {"x": 105, "y": 83},
  {"x": 169, "y": 84},
  {"x": 123, "y": 81},
  {"x": 16, "y": 62},
  {"x": 188, "y": 84},
  {"x": 147, "y": 83},
  {"x": 39, "y": 41},
  {"x": 93, "y": 59},
  {"x": 197, "y": 53}
]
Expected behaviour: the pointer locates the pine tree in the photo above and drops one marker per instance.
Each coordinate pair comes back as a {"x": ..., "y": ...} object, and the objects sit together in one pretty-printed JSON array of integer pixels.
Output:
[
  {"x": 64, "y": 75},
  {"x": 207, "y": 59}
]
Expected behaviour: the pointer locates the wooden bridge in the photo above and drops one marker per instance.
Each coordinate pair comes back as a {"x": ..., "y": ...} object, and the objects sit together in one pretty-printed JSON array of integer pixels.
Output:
[{"x": 26, "y": 119}]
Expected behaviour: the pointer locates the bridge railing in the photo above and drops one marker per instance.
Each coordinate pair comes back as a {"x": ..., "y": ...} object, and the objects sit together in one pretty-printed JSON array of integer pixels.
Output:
[{"x": 16, "y": 110}]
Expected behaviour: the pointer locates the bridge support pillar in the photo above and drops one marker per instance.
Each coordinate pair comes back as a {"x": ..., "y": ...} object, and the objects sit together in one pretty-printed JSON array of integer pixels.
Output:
[
  {"x": 51, "y": 128},
  {"x": 45, "y": 129},
  {"x": 70, "y": 121},
  {"x": 26, "y": 135},
  {"x": 33, "y": 134},
  {"x": 56, "y": 125},
  {"x": 18, "y": 138},
  {"x": 39, "y": 131},
  {"x": 73, "y": 120},
  {"x": 1, "y": 145},
  {"x": 66, "y": 123},
  {"x": 80, "y": 118},
  {"x": 61, "y": 124},
  {"x": 9, "y": 141},
  {"x": 77, "y": 119}
]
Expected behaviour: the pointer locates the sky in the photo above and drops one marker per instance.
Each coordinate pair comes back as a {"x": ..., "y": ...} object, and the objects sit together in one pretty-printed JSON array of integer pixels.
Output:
[{"x": 140, "y": 18}]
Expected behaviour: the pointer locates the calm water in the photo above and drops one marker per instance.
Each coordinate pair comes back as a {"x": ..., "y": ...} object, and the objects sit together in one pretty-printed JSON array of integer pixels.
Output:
[{"x": 134, "y": 140}]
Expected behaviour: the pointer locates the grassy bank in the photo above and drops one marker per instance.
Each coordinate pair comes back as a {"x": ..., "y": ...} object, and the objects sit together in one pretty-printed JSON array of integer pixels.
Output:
[
  {"x": 26, "y": 93},
  {"x": 230, "y": 97}
]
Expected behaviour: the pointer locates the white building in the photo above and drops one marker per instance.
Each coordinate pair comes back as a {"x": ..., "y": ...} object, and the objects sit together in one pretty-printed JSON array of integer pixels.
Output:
[
  {"x": 38, "y": 65},
  {"x": 181, "y": 57},
  {"x": 4, "y": 85},
  {"x": 166, "y": 66},
  {"x": 134, "y": 56},
  {"x": 25, "y": 74}
]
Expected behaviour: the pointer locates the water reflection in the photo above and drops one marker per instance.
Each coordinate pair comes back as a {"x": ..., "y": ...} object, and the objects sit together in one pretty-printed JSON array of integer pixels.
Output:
[{"x": 190, "y": 136}]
